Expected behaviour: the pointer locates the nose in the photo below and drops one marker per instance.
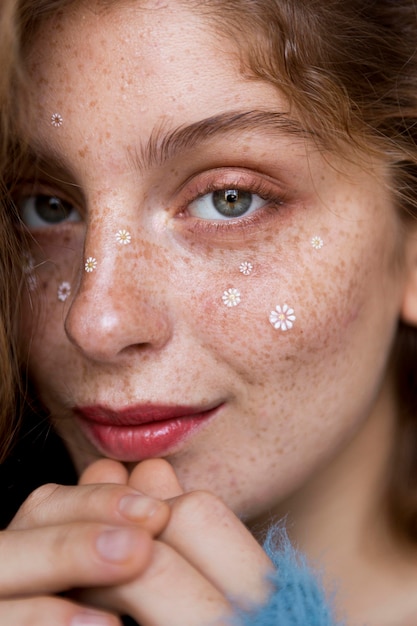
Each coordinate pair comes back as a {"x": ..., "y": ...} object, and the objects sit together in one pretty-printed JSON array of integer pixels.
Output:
[{"x": 120, "y": 306}]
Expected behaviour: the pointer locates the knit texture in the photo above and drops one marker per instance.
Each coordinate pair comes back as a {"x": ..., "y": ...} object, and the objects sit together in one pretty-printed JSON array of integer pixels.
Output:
[{"x": 297, "y": 598}]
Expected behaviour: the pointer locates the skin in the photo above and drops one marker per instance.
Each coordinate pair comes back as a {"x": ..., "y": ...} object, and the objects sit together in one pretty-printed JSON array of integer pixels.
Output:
[{"x": 302, "y": 409}]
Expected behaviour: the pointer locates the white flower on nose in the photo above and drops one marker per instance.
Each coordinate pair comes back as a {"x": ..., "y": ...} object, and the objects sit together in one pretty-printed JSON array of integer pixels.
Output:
[
  {"x": 123, "y": 237},
  {"x": 317, "y": 242},
  {"x": 231, "y": 297},
  {"x": 56, "y": 120},
  {"x": 90, "y": 264},
  {"x": 282, "y": 318}
]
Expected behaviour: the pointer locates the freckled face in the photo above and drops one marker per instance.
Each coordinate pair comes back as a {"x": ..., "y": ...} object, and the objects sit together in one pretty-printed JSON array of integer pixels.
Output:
[{"x": 149, "y": 324}]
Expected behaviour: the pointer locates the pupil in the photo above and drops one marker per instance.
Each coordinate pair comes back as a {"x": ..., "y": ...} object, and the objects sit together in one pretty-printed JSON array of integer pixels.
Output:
[
  {"x": 232, "y": 202},
  {"x": 231, "y": 196}
]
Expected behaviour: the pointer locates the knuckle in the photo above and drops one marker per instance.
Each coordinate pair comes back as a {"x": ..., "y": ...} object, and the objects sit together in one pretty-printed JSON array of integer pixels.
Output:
[
  {"x": 37, "y": 499},
  {"x": 198, "y": 507}
]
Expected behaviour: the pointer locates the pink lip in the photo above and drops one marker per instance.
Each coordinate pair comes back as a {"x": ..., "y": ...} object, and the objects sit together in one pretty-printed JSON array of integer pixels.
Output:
[{"x": 142, "y": 431}]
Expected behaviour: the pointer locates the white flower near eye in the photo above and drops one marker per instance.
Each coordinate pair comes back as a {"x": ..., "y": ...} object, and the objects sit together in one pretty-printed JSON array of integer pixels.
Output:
[
  {"x": 231, "y": 297},
  {"x": 317, "y": 242},
  {"x": 90, "y": 264},
  {"x": 64, "y": 291},
  {"x": 56, "y": 120},
  {"x": 246, "y": 268},
  {"x": 123, "y": 237},
  {"x": 282, "y": 318}
]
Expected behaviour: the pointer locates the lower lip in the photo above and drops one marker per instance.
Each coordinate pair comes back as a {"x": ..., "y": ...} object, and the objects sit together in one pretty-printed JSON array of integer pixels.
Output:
[{"x": 136, "y": 443}]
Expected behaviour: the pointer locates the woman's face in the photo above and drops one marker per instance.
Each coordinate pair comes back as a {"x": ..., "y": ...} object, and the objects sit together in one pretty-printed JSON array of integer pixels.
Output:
[{"x": 199, "y": 204}]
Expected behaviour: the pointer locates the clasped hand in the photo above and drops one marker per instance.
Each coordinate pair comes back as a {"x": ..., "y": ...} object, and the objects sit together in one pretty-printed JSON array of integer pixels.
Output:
[{"x": 119, "y": 544}]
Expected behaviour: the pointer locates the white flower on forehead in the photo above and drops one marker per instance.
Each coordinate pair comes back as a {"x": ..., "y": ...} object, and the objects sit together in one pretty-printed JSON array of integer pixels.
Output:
[
  {"x": 56, "y": 120},
  {"x": 90, "y": 264},
  {"x": 317, "y": 242},
  {"x": 64, "y": 291},
  {"x": 123, "y": 237},
  {"x": 246, "y": 268},
  {"x": 231, "y": 297},
  {"x": 282, "y": 318}
]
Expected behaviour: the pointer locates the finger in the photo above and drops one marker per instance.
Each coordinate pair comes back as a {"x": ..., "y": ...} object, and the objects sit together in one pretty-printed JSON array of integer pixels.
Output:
[
  {"x": 170, "y": 591},
  {"x": 208, "y": 535},
  {"x": 155, "y": 478},
  {"x": 51, "y": 611},
  {"x": 110, "y": 504},
  {"x": 57, "y": 558},
  {"x": 104, "y": 471}
]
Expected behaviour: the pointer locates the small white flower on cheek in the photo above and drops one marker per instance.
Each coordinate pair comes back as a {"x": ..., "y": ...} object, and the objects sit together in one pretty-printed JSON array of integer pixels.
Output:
[
  {"x": 64, "y": 291},
  {"x": 231, "y": 297},
  {"x": 56, "y": 120},
  {"x": 282, "y": 318},
  {"x": 90, "y": 264},
  {"x": 245, "y": 268},
  {"x": 123, "y": 237},
  {"x": 317, "y": 242}
]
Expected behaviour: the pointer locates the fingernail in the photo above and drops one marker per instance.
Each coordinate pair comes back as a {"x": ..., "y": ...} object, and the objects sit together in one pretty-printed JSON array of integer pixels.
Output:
[
  {"x": 90, "y": 619},
  {"x": 138, "y": 507},
  {"x": 116, "y": 545}
]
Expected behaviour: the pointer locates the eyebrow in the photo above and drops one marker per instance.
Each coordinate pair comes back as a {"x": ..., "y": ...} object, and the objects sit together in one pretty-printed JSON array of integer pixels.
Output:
[{"x": 164, "y": 145}]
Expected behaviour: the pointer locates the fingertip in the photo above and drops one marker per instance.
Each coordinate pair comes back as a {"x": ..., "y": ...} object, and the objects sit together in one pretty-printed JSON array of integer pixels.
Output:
[
  {"x": 155, "y": 478},
  {"x": 104, "y": 471}
]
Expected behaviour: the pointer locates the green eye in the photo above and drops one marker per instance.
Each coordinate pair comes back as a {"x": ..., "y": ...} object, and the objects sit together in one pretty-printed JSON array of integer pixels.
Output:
[
  {"x": 232, "y": 202},
  {"x": 41, "y": 211}
]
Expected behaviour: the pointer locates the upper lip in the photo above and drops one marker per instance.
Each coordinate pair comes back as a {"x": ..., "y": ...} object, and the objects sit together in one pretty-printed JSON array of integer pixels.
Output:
[{"x": 140, "y": 413}]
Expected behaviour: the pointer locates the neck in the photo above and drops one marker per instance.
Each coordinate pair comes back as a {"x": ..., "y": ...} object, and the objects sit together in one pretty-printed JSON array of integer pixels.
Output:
[{"x": 340, "y": 520}]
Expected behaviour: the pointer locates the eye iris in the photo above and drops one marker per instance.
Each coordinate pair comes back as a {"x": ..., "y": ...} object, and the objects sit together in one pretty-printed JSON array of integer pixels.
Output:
[
  {"x": 51, "y": 209},
  {"x": 232, "y": 202}
]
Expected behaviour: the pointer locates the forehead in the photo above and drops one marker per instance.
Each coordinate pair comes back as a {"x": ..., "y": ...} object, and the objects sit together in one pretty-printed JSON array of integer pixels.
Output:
[
  {"x": 137, "y": 49},
  {"x": 131, "y": 70}
]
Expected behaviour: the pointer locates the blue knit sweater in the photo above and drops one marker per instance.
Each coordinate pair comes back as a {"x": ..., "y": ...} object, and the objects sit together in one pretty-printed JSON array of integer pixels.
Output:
[{"x": 297, "y": 599}]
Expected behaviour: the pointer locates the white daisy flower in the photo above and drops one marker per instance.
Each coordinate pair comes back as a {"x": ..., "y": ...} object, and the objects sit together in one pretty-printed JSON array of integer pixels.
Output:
[
  {"x": 246, "y": 268},
  {"x": 123, "y": 237},
  {"x": 317, "y": 242},
  {"x": 231, "y": 297},
  {"x": 64, "y": 291},
  {"x": 90, "y": 264},
  {"x": 56, "y": 120},
  {"x": 282, "y": 318}
]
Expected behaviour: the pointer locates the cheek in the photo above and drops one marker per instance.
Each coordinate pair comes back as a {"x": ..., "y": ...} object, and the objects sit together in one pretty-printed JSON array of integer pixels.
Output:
[{"x": 334, "y": 292}]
